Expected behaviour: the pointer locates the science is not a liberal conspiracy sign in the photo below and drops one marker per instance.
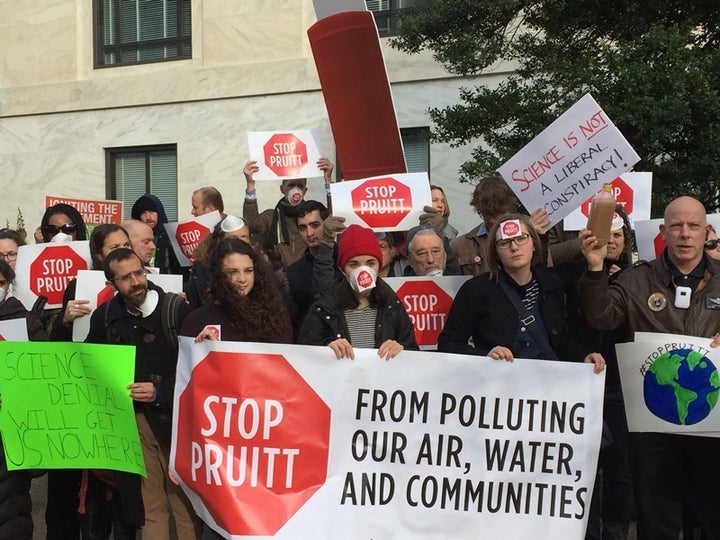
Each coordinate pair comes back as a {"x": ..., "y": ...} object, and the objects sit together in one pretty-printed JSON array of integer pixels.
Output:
[
  {"x": 281, "y": 440},
  {"x": 569, "y": 161}
]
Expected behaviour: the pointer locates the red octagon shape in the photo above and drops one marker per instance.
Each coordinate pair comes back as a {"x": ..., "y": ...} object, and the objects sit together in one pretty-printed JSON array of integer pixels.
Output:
[
  {"x": 107, "y": 293},
  {"x": 382, "y": 202},
  {"x": 285, "y": 154},
  {"x": 251, "y": 414},
  {"x": 188, "y": 236},
  {"x": 659, "y": 244},
  {"x": 622, "y": 193},
  {"x": 428, "y": 306},
  {"x": 52, "y": 270}
]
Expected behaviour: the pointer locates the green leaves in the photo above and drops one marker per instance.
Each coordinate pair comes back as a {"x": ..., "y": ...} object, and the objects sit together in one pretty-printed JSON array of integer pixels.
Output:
[{"x": 654, "y": 67}]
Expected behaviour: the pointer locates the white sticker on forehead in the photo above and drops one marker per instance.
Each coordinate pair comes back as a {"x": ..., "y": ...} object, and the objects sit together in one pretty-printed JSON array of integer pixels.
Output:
[{"x": 510, "y": 228}]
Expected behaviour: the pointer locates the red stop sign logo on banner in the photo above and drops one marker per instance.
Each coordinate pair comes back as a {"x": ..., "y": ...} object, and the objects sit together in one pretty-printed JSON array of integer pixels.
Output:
[
  {"x": 107, "y": 293},
  {"x": 659, "y": 244},
  {"x": 253, "y": 451},
  {"x": 285, "y": 154},
  {"x": 383, "y": 202},
  {"x": 51, "y": 271},
  {"x": 428, "y": 306},
  {"x": 622, "y": 193},
  {"x": 188, "y": 236}
]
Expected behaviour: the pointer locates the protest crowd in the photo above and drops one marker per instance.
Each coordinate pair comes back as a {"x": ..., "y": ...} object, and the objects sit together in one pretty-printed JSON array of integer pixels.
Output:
[{"x": 296, "y": 274}]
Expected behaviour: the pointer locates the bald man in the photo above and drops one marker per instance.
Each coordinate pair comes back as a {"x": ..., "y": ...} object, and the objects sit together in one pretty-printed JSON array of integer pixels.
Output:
[
  {"x": 141, "y": 239},
  {"x": 669, "y": 470}
]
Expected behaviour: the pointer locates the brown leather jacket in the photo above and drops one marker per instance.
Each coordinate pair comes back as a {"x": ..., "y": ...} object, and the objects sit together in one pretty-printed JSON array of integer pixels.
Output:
[
  {"x": 471, "y": 252},
  {"x": 643, "y": 298}
]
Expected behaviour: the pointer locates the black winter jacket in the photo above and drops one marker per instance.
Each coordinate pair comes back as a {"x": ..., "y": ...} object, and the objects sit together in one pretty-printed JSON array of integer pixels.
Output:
[
  {"x": 482, "y": 312},
  {"x": 325, "y": 322}
]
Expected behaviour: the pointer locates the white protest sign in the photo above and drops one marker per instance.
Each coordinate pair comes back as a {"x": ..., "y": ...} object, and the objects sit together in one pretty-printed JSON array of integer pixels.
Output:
[
  {"x": 633, "y": 190},
  {"x": 650, "y": 243},
  {"x": 13, "y": 330},
  {"x": 569, "y": 160},
  {"x": 92, "y": 286},
  {"x": 46, "y": 269},
  {"x": 376, "y": 449},
  {"x": 382, "y": 203},
  {"x": 284, "y": 154},
  {"x": 670, "y": 383},
  {"x": 186, "y": 235},
  {"x": 427, "y": 301}
]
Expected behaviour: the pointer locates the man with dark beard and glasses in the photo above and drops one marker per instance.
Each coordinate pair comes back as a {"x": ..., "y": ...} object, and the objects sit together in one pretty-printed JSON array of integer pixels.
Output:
[{"x": 143, "y": 315}]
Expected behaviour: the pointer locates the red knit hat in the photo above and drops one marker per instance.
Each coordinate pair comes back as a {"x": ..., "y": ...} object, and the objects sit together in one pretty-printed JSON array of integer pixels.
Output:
[{"x": 357, "y": 240}]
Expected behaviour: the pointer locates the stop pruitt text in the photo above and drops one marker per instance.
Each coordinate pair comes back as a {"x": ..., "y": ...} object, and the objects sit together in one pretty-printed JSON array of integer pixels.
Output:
[
  {"x": 382, "y": 200},
  {"x": 55, "y": 276},
  {"x": 249, "y": 420}
]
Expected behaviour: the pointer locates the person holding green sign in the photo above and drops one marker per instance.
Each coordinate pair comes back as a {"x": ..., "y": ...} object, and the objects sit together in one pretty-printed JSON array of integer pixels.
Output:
[
  {"x": 15, "y": 504},
  {"x": 143, "y": 315}
]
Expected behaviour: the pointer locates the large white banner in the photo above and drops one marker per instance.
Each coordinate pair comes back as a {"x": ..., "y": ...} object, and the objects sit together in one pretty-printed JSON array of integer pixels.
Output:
[
  {"x": 286, "y": 441},
  {"x": 670, "y": 382},
  {"x": 569, "y": 160},
  {"x": 392, "y": 202}
]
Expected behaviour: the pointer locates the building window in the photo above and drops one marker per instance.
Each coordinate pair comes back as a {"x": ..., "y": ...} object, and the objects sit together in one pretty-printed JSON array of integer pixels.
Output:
[
  {"x": 387, "y": 13},
  {"x": 141, "y": 31},
  {"x": 133, "y": 172},
  {"x": 416, "y": 146}
]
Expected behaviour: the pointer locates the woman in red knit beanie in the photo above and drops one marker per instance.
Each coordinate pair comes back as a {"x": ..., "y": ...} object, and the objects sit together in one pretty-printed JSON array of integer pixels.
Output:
[{"x": 361, "y": 310}]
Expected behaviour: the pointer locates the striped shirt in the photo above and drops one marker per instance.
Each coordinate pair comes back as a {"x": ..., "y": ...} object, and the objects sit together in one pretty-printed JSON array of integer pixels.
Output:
[{"x": 361, "y": 324}]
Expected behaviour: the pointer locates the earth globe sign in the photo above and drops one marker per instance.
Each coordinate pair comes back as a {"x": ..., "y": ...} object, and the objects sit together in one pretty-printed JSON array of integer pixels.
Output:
[{"x": 681, "y": 387}]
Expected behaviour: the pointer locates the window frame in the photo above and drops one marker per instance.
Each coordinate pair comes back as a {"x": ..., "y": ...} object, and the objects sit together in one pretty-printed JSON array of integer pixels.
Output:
[
  {"x": 111, "y": 187},
  {"x": 100, "y": 49}
]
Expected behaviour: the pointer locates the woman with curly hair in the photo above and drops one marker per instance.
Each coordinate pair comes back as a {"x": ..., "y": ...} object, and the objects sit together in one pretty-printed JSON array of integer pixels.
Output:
[{"x": 244, "y": 298}]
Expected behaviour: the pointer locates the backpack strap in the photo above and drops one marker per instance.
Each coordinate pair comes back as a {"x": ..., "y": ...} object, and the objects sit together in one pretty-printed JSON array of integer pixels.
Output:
[
  {"x": 527, "y": 319},
  {"x": 169, "y": 312}
]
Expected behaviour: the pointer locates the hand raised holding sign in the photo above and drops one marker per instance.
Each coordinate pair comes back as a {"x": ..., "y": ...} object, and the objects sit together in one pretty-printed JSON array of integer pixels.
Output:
[
  {"x": 540, "y": 220},
  {"x": 594, "y": 254},
  {"x": 331, "y": 226},
  {"x": 250, "y": 168},
  {"x": 326, "y": 166},
  {"x": 74, "y": 310}
]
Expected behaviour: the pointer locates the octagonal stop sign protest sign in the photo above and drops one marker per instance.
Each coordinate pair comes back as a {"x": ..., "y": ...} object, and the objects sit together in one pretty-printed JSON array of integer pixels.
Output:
[
  {"x": 186, "y": 235},
  {"x": 383, "y": 203},
  {"x": 427, "y": 301},
  {"x": 622, "y": 193},
  {"x": 285, "y": 154},
  {"x": 251, "y": 438},
  {"x": 44, "y": 270}
]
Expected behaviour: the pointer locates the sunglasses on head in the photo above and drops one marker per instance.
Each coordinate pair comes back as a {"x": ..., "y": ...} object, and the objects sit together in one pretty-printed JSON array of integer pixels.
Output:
[
  {"x": 711, "y": 244},
  {"x": 68, "y": 228}
]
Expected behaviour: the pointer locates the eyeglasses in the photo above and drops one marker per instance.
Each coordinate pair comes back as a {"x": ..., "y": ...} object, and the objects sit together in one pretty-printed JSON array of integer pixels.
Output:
[
  {"x": 137, "y": 274},
  {"x": 9, "y": 256},
  {"x": 519, "y": 241},
  {"x": 68, "y": 228},
  {"x": 709, "y": 244}
]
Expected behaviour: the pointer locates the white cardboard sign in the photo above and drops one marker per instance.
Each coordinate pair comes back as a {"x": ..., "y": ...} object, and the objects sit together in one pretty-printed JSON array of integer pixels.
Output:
[
  {"x": 13, "y": 330},
  {"x": 283, "y": 155},
  {"x": 392, "y": 202},
  {"x": 46, "y": 269},
  {"x": 668, "y": 382},
  {"x": 91, "y": 286},
  {"x": 632, "y": 189},
  {"x": 186, "y": 235},
  {"x": 427, "y": 301},
  {"x": 569, "y": 160}
]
